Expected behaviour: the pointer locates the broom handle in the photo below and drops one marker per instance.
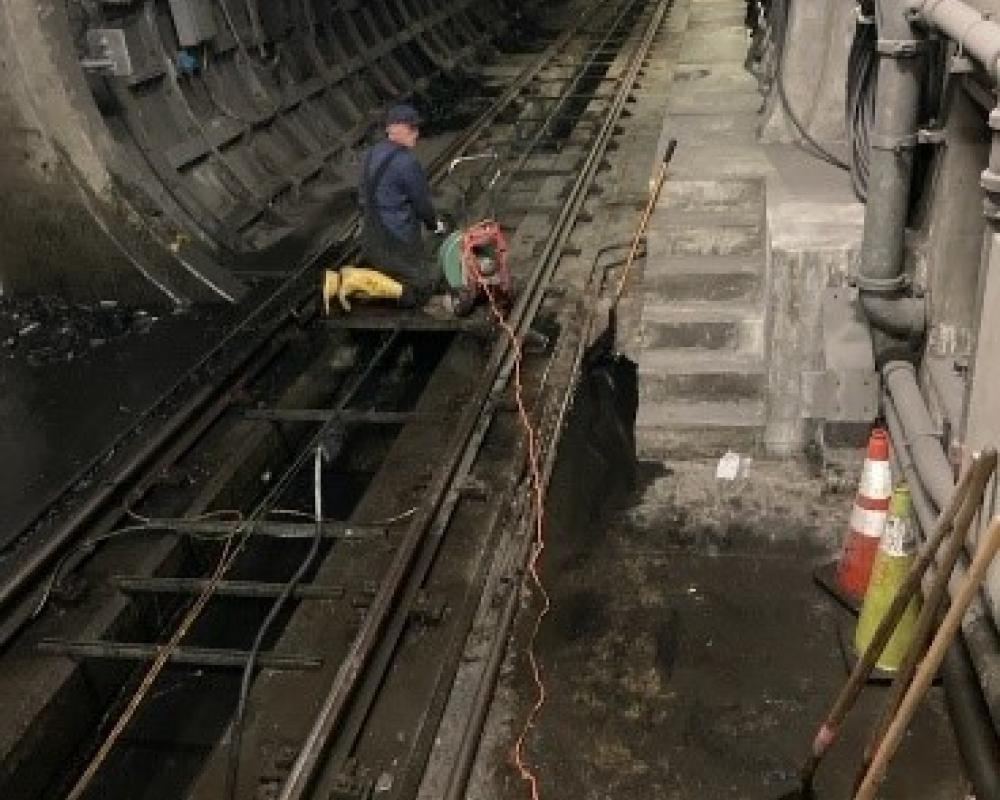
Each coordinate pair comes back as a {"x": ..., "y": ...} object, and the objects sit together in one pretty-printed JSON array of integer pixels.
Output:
[
  {"x": 655, "y": 187},
  {"x": 929, "y": 666},
  {"x": 925, "y": 622},
  {"x": 972, "y": 483}
]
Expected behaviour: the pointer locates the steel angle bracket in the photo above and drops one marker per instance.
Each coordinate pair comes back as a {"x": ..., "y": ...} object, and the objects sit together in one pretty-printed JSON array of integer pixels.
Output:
[
  {"x": 840, "y": 395},
  {"x": 108, "y": 52}
]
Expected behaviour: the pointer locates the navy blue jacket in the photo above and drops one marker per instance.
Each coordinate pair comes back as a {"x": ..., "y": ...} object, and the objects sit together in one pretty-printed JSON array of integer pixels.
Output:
[{"x": 403, "y": 198}]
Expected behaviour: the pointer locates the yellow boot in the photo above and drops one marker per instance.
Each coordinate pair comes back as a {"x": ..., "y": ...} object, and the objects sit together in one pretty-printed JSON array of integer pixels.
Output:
[
  {"x": 369, "y": 284},
  {"x": 331, "y": 287}
]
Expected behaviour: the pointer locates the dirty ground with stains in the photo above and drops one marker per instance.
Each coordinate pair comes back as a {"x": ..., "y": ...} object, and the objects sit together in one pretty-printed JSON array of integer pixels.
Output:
[{"x": 689, "y": 655}]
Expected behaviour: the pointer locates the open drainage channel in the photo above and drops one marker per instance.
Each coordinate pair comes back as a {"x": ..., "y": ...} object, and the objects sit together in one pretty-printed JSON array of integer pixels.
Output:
[{"x": 157, "y": 573}]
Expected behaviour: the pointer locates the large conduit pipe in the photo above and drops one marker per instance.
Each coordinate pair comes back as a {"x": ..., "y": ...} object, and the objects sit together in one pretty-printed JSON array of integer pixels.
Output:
[
  {"x": 932, "y": 484},
  {"x": 881, "y": 279},
  {"x": 921, "y": 456},
  {"x": 973, "y": 699},
  {"x": 932, "y": 464},
  {"x": 978, "y": 35}
]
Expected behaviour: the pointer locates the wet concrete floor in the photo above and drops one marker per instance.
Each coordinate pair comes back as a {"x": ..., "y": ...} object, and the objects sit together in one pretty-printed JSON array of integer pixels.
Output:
[{"x": 689, "y": 654}]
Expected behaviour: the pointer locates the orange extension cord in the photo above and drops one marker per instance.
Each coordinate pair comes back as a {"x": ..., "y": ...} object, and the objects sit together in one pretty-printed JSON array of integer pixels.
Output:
[
  {"x": 538, "y": 546},
  {"x": 525, "y": 770}
]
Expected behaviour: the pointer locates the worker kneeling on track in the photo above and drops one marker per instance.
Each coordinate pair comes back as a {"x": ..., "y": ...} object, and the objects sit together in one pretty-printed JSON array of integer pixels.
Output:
[{"x": 395, "y": 199}]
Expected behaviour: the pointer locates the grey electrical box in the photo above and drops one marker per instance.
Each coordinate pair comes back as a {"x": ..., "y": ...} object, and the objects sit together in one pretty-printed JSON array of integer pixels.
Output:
[{"x": 194, "y": 21}]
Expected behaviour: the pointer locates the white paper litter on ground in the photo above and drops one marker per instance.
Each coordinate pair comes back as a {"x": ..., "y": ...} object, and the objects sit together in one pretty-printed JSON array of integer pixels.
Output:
[{"x": 729, "y": 467}]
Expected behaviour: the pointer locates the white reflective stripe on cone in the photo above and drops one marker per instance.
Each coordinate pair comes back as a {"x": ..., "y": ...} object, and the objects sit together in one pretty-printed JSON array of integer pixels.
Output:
[
  {"x": 868, "y": 523},
  {"x": 876, "y": 480}
]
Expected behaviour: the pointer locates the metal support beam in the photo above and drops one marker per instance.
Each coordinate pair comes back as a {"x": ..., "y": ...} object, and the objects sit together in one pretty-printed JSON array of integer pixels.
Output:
[
  {"x": 194, "y": 656},
  {"x": 403, "y": 323},
  {"x": 347, "y": 416},
  {"x": 270, "y": 528},
  {"x": 242, "y": 589}
]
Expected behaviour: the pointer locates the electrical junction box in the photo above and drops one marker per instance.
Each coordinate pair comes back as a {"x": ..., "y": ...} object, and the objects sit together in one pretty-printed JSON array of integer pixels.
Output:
[{"x": 194, "y": 21}]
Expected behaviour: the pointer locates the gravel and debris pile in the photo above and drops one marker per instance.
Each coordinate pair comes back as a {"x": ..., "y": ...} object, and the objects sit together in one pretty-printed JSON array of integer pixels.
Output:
[{"x": 46, "y": 330}]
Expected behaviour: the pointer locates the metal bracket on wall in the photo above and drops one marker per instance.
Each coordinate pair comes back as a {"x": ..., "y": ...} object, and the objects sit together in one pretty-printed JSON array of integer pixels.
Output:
[
  {"x": 880, "y": 141},
  {"x": 108, "y": 52},
  {"x": 932, "y": 136},
  {"x": 841, "y": 395},
  {"x": 960, "y": 64},
  {"x": 899, "y": 48},
  {"x": 846, "y": 389}
]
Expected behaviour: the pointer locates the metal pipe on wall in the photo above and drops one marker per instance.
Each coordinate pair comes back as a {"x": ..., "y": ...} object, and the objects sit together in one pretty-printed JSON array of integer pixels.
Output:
[
  {"x": 978, "y": 35},
  {"x": 971, "y": 668},
  {"x": 921, "y": 456},
  {"x": 881, "y": 279},
  {"x": 936, "y": 473}
]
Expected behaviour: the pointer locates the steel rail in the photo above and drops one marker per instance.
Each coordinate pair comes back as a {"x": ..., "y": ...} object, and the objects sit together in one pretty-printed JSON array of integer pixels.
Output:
[
  {"x": 470, "y": 432},
  {"x": 210, "y": 401},
  {"x": 306, "y": 450},
  {"x": 351, "y": 727},
  {"x": 523, "y": 314},
  {"x": 468, "y": 746}
]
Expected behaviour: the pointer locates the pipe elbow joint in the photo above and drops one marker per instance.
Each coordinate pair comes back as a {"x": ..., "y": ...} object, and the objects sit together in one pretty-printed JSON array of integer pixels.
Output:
[{"x": 902, "y": 317}]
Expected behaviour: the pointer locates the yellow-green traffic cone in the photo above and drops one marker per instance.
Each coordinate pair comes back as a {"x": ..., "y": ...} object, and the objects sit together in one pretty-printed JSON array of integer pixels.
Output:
[{"x": 896, "y": 554}]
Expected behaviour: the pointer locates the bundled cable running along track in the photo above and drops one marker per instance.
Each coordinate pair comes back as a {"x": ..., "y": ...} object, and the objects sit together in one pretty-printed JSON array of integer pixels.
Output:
[{"x": 299, "y": 547}]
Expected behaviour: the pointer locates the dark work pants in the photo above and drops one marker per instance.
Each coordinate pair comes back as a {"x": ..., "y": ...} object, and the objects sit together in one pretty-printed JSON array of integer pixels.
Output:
[{"x": 403, "y": 261}]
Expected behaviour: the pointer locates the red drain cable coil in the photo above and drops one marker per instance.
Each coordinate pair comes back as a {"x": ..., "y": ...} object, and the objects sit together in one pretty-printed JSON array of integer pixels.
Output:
[{"x": 538, "y": 547}]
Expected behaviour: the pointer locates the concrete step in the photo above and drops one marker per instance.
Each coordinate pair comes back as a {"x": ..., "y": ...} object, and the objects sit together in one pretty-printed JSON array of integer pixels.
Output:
[
  {"x": 715, "y": 129},
  {"x": 714, "y": 44},
  {"x": 714, "y": 195},
  {"x": 699, "y": 429},
  {"x": 713, "y": 77},
  {"x": 726, "y": 15},
  {"x": 665, "y": 239},
  {"x": 715, "y": 326},
  {"x": 698, "y": 374},
  {"x": 695, "y": 100},
  {"x": 741, "y": 214},
  {"x": 705, "y": 265},
  {"x": 704, "y": 286}
]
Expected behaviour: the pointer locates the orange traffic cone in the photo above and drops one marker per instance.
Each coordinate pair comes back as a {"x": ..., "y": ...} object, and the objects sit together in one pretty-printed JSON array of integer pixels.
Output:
[{"x": 871, "y": 507}]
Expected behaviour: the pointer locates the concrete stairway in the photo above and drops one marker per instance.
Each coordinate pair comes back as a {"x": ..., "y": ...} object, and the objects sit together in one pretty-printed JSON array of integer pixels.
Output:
[
  {"x": 702, "y": 357},
  {"x": 702, "y": 369}
]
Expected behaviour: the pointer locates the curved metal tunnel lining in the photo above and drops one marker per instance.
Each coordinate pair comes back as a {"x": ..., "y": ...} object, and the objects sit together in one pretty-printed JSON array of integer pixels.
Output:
[{"x": 243, "y": 168}]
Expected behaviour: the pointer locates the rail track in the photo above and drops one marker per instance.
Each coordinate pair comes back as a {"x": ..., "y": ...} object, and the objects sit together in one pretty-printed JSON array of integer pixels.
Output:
[{"x": 298, "y": 536}]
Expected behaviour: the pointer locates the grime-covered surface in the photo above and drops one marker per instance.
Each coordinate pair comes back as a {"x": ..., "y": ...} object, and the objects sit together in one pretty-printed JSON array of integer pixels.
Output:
[
  {"x": 688, "y": 653},
  {"x": 73, "y": 377}
]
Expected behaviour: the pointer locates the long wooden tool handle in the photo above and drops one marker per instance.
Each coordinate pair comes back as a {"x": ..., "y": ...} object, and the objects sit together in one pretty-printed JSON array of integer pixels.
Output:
[
  {"x": 971, "y": 485},
  {"x": 655, "y": 188},
  {"x": 987, "y": 551},
  {"x": 929, "y": 613}
]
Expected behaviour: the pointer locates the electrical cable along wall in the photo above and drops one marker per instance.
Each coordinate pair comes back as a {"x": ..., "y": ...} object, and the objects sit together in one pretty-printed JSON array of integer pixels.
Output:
[
  {"x": 862, "y": 75},
  {"x": 859, "y": 114},
  {"x": 155, "y": 144}
]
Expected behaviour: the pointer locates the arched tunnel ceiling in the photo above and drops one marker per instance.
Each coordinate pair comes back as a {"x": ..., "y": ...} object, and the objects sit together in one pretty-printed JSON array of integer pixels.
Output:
[{"x": 161, "y": 142}]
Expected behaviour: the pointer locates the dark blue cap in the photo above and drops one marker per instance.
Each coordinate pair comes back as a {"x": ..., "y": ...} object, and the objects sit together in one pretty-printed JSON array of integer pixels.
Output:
[{"x": 402, "y": 113}]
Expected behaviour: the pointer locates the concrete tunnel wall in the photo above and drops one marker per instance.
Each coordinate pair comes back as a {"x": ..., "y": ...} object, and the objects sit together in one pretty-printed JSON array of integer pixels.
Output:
[
  {"x": 814, "y": 72},
  {"x": 152, "y": 186},
  {"x": 952, "y": 253}
]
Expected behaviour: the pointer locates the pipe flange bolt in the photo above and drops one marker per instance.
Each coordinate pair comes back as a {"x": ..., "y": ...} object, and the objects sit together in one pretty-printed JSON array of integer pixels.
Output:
[
  {"x": 872, "y": 285},
  {"x": 899, "y": 48},
  {"x": 990, "y": 180}
]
